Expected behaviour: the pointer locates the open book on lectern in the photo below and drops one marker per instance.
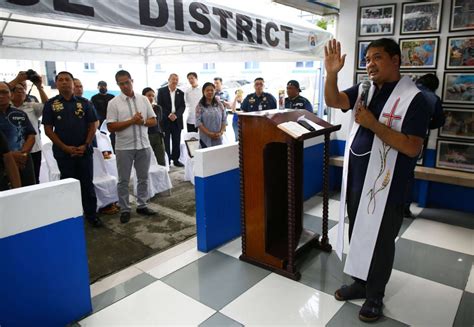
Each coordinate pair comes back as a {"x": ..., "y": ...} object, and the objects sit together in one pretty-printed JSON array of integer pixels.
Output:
[{"x": 299, "y": 127}]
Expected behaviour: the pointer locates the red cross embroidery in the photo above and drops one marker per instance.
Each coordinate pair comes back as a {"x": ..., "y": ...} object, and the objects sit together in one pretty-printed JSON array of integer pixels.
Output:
[{"x": 391, "y": 117}]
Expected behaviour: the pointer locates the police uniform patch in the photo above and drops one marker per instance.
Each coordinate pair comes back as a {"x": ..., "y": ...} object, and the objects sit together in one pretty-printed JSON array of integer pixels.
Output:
[
  {"x": 79, "y": 110},
  {"x": 57, "y": 106}
]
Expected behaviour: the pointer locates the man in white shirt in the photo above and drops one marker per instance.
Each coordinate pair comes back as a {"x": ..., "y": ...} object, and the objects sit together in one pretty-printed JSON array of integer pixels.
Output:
[
  {"x": 192, "y": 97},
  {"x": 129, "y": 115}
]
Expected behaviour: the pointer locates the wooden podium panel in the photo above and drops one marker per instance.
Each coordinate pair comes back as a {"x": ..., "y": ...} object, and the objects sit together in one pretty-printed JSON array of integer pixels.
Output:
[{"x": 271, "y": 165}]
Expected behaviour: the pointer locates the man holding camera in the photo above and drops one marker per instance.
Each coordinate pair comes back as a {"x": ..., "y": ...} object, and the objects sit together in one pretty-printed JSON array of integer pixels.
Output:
[{"x": 33, "y": 110}]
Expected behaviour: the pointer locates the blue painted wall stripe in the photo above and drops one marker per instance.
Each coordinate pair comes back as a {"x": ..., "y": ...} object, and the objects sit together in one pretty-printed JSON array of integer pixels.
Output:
[{"x": 44, "y": 276}]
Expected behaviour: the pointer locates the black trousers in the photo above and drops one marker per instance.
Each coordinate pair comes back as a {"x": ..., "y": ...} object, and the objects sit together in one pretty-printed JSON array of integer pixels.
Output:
[
  {"x": 173, "y": 133},
  {"x": 384, "y": 252},
  {"x": 81, "y": 168},
  {"x": 36, "y": 156},
  {"x": 191, "y": 128}
]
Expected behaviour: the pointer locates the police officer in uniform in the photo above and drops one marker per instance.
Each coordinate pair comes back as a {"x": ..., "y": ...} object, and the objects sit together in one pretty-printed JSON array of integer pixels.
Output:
[
  {"x": 258, "y": 100},
  {"x": 70, "y": 122},
  {"x": 294, "y": 99}
]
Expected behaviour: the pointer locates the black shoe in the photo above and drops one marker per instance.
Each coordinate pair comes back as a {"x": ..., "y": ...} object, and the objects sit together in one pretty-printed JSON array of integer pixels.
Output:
[
  {"x": 371, "y": 310},
  {"x": 125, "y": 217},
  {"x": 145, "y": 212},
  {"x": 350, "y": 292},
  {"x": 177, "y": 163},
  {"x": 95, "y": 222}
]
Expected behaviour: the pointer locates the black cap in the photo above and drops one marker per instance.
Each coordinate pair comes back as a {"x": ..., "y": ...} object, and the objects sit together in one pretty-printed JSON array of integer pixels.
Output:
[
  {"x": 102, "y": 83},
  {"x": 295, "y": 84}
]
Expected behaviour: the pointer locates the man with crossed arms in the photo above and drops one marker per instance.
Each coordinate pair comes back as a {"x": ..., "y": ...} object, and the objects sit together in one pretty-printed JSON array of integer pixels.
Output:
[{"x": 385, "y": 139}]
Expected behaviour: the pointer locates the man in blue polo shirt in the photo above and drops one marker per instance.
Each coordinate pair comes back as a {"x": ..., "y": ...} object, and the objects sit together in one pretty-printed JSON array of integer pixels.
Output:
[
  {"x": 19, "y": 133},
  {"x": 294, "y": 99},
  {"x": 390, "y": 122},
  {"x": 70, "y": 122},
  {"x": 258, "y": 100}
]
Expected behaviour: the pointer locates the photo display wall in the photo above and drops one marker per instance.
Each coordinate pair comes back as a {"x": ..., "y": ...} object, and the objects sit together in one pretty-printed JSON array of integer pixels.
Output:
[{"x": 422, "y": 38}]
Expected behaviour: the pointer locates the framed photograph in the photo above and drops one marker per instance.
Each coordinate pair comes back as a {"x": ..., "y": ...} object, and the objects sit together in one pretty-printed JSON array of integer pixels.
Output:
[
  {"x": 455, "y": 155},
  {"x": 458, "y": 88},
  {"x": 192, "y": 145},
  {"x": 416, "y": 75},
  {"x": 377, "y": 20},
  {"x": 462, "y": 15},
  {"x": 419, "y": 53},
  {"x": 460, "y": 54},
  {"x": 459, "y": 124},
  {"x": 421, "y": 17},
  {"x": 360, "y": 77},
  {"x": 361, "y": 54}
]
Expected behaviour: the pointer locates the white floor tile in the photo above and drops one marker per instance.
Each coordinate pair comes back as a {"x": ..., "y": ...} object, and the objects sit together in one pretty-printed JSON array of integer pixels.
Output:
[
  {"x": 167, "y": 267},
  {"x": 156, "y": 304},
  {"x": 233, "y": 248},
  {"x": 441, "y": 235},
  {"x": 314, "y": 206},
  {"x": 114, "y": 280},
  {"x": 332, "y": 235},
  {"x": 150, "y": 263},
  {"x": 470, "y": 282},
  {"x": 420, "y": 302},
  {"x": 277, "y": 300}
]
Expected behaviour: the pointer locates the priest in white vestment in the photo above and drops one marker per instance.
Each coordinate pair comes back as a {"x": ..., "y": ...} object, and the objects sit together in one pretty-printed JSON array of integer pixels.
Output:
[{"x": 389, "y": 121}]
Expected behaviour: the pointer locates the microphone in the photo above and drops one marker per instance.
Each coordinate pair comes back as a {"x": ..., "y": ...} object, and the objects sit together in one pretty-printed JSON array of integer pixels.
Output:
[{"x": 365, "y": 93}]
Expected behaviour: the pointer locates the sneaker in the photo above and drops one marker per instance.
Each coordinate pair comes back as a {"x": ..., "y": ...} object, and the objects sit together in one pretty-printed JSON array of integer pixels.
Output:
[
  {"x": 145, "y": 212},
  {"x": 125, "y": 217},
  {"x": 371, "y": 310},
  {"x": 95, "y": 222},
  {"x": 351, "y": 292},
  {"x": 177, "y": 163}
]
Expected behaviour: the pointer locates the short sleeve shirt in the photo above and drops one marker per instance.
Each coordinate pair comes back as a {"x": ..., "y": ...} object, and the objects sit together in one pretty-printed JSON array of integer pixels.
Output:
[
  {"x": 253, "y": 102},
  {"x": 122, "y": 108},
  {"x": 415, "y": 123},
  {"x": 16, "y": 127},
  {"x": 70, "y": 120}
]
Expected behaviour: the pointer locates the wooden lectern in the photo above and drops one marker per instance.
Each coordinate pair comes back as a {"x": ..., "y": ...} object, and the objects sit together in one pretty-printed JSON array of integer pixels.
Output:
[{"x": 271, "y": 187}]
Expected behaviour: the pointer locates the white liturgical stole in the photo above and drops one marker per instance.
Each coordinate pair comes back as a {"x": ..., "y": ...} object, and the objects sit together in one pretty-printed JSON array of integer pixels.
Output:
[{"x": 376, "y": 183}]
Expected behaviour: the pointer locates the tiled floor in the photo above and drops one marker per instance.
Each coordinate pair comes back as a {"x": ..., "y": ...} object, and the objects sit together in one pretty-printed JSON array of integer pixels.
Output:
[{"x": 432, "y": 284}]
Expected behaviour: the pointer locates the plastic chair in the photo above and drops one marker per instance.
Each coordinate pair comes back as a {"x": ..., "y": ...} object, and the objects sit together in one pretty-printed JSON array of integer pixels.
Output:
[
  {"x": 158, "y": 178},
  {"x": 51, "y": 171}
]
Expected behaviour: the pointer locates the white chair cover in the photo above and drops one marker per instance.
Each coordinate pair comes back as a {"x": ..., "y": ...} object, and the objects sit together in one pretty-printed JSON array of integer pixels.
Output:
[
  {"x": 104, "y": 144},
  {"x": 158, "y": 178},
  {"x": 105, "y": 185},
  {"x": 51, "y": 170}
]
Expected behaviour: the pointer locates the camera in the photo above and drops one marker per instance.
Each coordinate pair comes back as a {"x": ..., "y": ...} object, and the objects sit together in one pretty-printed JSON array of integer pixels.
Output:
[{"x": 33, "y": 76}]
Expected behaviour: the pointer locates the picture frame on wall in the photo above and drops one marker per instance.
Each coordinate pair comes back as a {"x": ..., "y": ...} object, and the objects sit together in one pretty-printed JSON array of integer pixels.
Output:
[
  {"x": 416, "y": 75},
  {"x": 419, "y": 53},
  {"x": 360, "y": 77},
  {"x": 458, "y": 87},
  {"x": 377, "y": 20},
  {"x": 460, "y": 52},
  {"x": 421, "y": 17},
  {"x": 462, "y": 13},
  {"x": 459, "y": 124},
  {"x": 455, "y": 155},
  {"x": 362, "y": 48}
]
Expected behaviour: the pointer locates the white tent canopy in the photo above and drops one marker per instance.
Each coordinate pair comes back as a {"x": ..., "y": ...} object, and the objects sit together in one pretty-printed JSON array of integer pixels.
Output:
[{"x": 114, "y": 35}]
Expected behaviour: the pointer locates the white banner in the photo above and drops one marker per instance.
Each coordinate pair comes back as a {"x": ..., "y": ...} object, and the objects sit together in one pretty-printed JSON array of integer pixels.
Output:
[{"x": 181, "y": 19}]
